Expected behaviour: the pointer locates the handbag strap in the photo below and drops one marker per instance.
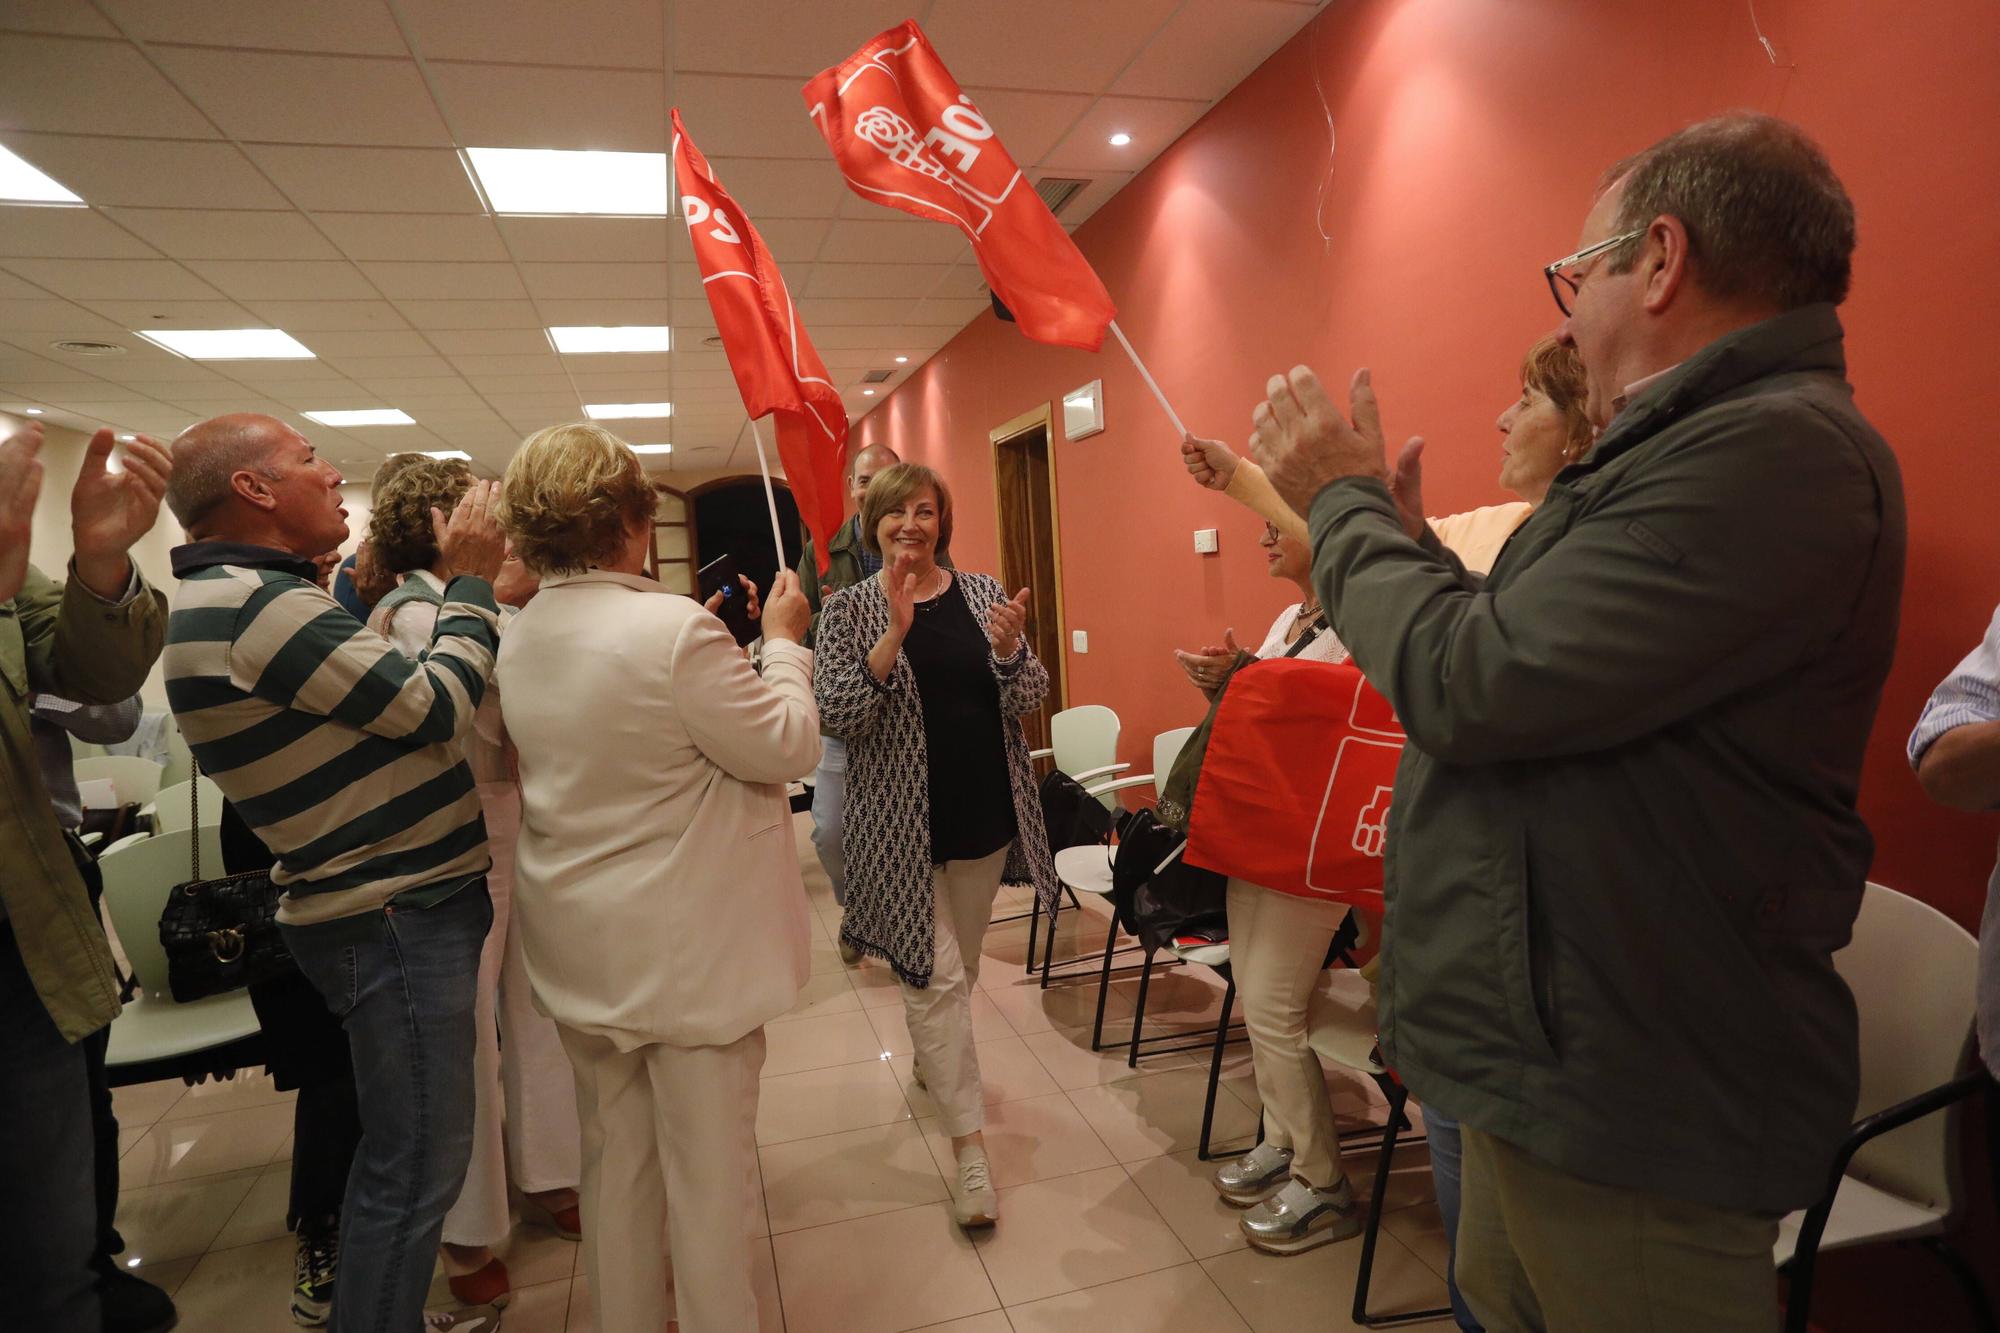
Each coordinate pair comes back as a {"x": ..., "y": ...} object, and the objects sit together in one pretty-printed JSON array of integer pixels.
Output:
[
  {"x": 1312, "y": 631},
  {"x": 194, "y": 816}
]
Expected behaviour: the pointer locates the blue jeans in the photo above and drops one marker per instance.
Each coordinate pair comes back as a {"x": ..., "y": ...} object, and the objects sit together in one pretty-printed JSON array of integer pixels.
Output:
[
  {"x": 1445, "y": 1175},
  {"x": 48, "y": 1228},
  {"x": 402, "y": 983},
  {"x": 829, "y": 790}
]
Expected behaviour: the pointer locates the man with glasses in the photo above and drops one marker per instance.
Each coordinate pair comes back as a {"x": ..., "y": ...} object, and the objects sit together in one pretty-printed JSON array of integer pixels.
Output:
[{"x": 1624, "y": 842}]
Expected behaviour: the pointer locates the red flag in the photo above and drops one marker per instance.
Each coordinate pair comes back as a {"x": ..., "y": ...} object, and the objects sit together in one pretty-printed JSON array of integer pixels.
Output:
[
  {"x": 904, "y": 135},
  {"x": 1296, "y": 782},
  {"x": 777, "y": 371}
]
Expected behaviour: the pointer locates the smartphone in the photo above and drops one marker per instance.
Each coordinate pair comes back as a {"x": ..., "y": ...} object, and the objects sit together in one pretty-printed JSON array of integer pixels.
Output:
[{"x": 720, "y": 575}]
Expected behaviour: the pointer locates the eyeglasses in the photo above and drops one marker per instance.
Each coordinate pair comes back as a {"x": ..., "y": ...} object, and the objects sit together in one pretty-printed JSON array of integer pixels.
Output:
[
  {"x": 1271, "y": 535},
  {"x": 1562, "y": 286}
]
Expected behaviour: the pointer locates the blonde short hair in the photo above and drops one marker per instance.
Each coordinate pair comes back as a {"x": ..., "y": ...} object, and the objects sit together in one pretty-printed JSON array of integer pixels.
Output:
[
  {"x": 571, "y": 496},
  {"x": 399, "y": 530},
  {"x": 896, "y": 485}
]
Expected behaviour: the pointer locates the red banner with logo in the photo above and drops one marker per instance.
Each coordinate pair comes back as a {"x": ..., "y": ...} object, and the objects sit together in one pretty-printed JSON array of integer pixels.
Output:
[
  {"x": 1296, "y": 782},
  {"x": 777, "y": 371},
  {"x": 905, "y": 135}
]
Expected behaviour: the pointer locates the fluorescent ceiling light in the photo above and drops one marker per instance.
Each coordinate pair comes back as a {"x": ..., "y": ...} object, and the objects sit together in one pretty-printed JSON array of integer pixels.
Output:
[
  {"x": 902, "y": 360},
  {"x": 613, "y": 411},
  {"x": 652, "y": 448},
  {"x": 364, "y": 416},
  {"x": 33, "y": 411},
  {"x": 616, "y": 338},
  {"x": 229, "y": 344},
  {"x": 21, "y": 183},
  {"x": 551, "y": 180},
  {"x": 447, "y": 453},
  {"x": 1120, "y": 139},
  {"x": 867, "y": 393}
]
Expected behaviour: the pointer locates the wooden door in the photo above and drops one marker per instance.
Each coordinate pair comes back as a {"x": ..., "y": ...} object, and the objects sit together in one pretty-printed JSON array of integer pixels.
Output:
[{"x": 1031, "y": 550}]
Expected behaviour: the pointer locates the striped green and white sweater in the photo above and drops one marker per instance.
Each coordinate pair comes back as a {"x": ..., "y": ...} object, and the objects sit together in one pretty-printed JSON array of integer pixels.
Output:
[{"x": 346, "y": 757}]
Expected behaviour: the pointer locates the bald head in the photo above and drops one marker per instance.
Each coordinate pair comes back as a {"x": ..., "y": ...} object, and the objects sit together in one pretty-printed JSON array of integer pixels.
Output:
[
  {"x": 208, "y": 454},
  {"x": 872, "y": 459}
]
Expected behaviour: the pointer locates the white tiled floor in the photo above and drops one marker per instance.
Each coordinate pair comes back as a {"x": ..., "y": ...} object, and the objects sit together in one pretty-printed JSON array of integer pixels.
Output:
[{"x": 1108, "y": 1222}]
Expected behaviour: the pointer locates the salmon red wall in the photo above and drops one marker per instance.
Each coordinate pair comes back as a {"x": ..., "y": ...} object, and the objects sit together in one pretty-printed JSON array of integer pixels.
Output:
[{"x": 1470, "y": 135}]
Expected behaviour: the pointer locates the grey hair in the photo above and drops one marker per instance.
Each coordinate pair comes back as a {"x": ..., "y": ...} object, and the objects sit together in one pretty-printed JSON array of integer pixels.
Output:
[
  {"x": 209, "y": 453},
  {"x": 1767, "y": 220}
]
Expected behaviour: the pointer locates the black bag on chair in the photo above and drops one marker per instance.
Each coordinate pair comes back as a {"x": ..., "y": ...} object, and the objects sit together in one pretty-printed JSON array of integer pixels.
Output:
[
  {"x": 1071, "y": 815},
  {"x": 220, "y": 934},
  {"x": 1156, "y": 893}
]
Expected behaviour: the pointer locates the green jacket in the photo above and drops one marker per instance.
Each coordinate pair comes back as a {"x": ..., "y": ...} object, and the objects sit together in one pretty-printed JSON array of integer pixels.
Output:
[
  {"x": 843, "y": 569},
  {"x": 1624, "y": 845},
  {"x": 69, "y": 642}
]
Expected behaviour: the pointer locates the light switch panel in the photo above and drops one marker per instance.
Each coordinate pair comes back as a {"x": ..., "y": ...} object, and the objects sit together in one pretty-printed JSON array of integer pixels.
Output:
[{"x": 1204, "y": 541}]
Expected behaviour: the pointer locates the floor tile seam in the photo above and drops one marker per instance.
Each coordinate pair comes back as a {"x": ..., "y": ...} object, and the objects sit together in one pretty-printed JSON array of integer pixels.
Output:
[
  {"x": 258, "y": 1169},
  {"x": 1189, "y": 1262},
  {"x": 908, "y": 1119}
]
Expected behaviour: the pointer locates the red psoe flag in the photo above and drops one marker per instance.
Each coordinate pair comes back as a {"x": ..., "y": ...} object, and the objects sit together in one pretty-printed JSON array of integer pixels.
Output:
[
  {"x": 777, "y": 371},
  {"x": 904, "y": 135}
]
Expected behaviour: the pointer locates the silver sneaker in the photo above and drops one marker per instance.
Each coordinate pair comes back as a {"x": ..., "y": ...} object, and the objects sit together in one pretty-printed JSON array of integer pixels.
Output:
[
  {"x": 469, "y": 1319},
  {"x": 1299, "y": 1217},
  {"x": 974, "y": 1203},
  {"x": 1255, "y": 1176}
]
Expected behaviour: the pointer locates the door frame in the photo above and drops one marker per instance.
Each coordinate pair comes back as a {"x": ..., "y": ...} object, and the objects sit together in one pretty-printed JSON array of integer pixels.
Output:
[{"x": 1043, "y": 417}]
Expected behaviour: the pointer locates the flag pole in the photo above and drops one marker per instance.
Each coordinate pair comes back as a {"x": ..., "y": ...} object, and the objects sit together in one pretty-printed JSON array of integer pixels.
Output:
[
  {"x": 770, "y": 496},
  {"x": 1147, "y": 376}
]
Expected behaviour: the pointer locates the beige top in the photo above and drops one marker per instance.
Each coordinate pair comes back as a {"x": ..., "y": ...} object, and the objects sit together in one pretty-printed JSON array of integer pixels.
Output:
[
  {"x": 409, "y": 626},
  {"x": 1474, "y": 536}
]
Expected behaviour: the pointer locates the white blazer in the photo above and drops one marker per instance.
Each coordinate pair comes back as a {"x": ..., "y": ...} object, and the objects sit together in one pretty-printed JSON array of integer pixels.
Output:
[{"x": 657, "y": 880}]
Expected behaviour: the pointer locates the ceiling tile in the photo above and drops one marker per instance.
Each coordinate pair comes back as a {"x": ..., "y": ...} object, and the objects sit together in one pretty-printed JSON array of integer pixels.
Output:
[
  {"x": 819, "y": 311},
  {"x": 982, "y": 42},
  {"x": 19, "y": 289},
  {"x": 363, "y": 180},
  {"x": 428, "y": 315},
  {"x": 1029, "y": 124},
  {"x": 285, "y": 279},
  {"x": 21, "y": 361},
  {"x": 1210, "y": 46},
  {"x": 515, "y": 106},
  {"x": 606, "y": 310},
  {"x": 297, "y": 317},
  {"x": 78, "y": 86},
  {"x": 186, "y": 233},
  {"x": 272, "y": 97},
  {"x": 522, "y": 384},
  {"x": 889, "y": 241},
  {"x": 68, "y": 390},
  {"x": 748, "y": 117},
  {"x": 782, "y": 187},
  {"x": 149, "y": 172},
  {"x": 260, "y": 372},
  {"x": 490, "y": 342},
  {"x": 610, "y": 239},
  {"x": 374, "y": 342},
  {"x": 140, "y": 279},
  {"x": 872, "y": 280},
  {"x": 634, "y": 382},
  {"x": 585, "y": 280},
  {"x": 370, "y": 369},
  {"x": 766, "y": 36},
  {"x": 174, "y": 315},
  {"x": 445, "y": 282},
  {"x": 285, "y": 25},
  {"x": 67, "y": 232},
  {"x": 628, "y": 363},
  {"x": 518, "y": 363},
  {"x": 64, "y": 16},
  {"x": 1152, "y": 123},
  {"x": 414, "y": 236},
  {"x": 611, "y": 33}
]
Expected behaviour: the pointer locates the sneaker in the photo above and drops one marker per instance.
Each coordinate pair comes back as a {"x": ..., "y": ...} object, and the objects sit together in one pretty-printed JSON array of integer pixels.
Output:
[
  {"x": 131, "y": 1304},
  {"x": 471, "y": 1319},
  {"x": 974, "y": 1203},
  {"x": 1298, "y": 1217},
  {"x": 1255, "y": 1176},
  {"x": 313, "y": 1272}
]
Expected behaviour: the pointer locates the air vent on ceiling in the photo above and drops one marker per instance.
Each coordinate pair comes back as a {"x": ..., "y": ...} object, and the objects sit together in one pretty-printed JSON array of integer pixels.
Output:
[
  {"x": 712, "y": 340},
  {"x": 1057, "y": 191},
  {"x": 81, "y": 348},
  {"x": 876, "y": 376}
]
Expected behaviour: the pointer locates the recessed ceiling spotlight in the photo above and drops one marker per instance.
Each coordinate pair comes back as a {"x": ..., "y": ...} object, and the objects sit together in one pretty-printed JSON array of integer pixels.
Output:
[
  {"x": 229, "y": 344},
  {"x": 902, "y": 360},
  {"x": 584, "y": 339},
  {"x": 553, "y": 180},
  {"x": 615, "y": 411},
  {"x": 21, "y": 183},
  {"x": 364, "y": 416},
  {"x": 33, "y": 411},
  {"x": 1120, "y": 139},
  {"x": 867, "y": 393},
  {"x": 652, "y": 448},
  {"x": 128, "y": 438},
  {"x": 447, "y": 453}
]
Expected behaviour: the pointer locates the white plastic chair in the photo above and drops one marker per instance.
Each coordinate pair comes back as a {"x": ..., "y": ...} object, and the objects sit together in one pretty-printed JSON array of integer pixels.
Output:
[
  {"x": 125, "y": 841},
  {"x": 1087, "y": 869},
  {"x": 180, "y": 762},
  {"x": 1083, "y": 742},
  {"x": 170, "y": 808},
  {"x": 153, "y": 1030},
  {"x": 1912, "y": 970},
  {"x": 136, "y": 780}
]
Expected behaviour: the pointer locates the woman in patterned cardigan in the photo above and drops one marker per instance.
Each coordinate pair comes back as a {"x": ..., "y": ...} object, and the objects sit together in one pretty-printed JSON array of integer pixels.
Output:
[{"x": 925, "y": 671}]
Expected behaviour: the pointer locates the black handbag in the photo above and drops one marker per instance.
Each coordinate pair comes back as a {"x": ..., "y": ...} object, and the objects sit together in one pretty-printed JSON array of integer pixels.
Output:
[
  {"x": 1156, "y": 893},
  {"x": 220, "y": 934}
]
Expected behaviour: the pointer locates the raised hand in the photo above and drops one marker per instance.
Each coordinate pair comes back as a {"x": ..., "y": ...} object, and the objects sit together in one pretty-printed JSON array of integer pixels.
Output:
[
  {"x": 1004, "y": 623},
  {"x": 1304, "y": 442},
  {"x": 471, "y": 542},
  {"x": 1210, "y": 462},
  {"x": 899, "y": 584},
  {"x": 20, "y": 487},
  {"x": 1407, "y": 485},
  {"x": 108, "y": 511},
  {"x": 787, "y": 615}
]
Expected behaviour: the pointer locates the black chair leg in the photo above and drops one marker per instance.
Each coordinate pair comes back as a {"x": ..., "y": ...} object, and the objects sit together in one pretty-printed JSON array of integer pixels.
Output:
[
  {"x": 1215, "y": 1069},
  {"x": 1034, "y": 924},
  {"x": 1139, "y": 1017},
  {"x": 1968, "y": 1281},
  {"x": 1104, "y": 986},
  {"x": 1371, "y": 1231}
]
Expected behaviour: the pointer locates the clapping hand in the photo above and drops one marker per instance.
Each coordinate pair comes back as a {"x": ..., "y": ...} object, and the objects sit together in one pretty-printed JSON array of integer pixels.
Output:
[
  {"x": 471, "y": 542},
  {"x": 109, "y": 510},
  {"x": 1304, "y": 442},
  {"x": 20, "y": 487},
  {"x": 900, "y": 587},
  {"x": 1004, "y": 623},
  {"x": 1206, "y": 666}
]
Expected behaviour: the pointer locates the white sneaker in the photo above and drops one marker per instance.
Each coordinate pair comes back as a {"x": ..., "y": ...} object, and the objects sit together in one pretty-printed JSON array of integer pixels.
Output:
[
  {"x": 471, "y": 1319},
  {"x": 974, "y": 1203}
]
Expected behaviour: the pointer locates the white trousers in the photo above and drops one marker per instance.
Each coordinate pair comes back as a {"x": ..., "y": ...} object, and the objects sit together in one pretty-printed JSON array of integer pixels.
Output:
[
  {"x": 669, "y": 1124},
  {"x": 940, "y": 1016},
  {"x": 524, "y": 1125},
  {"x": 1276, "y": 945}
]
